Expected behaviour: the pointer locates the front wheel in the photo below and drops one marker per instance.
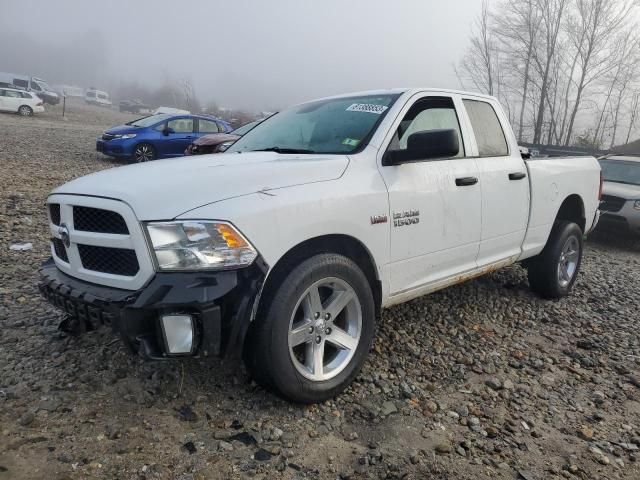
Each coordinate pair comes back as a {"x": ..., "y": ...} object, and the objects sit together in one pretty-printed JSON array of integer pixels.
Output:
[
  {"x": 25, "y": 111},
  {"x": 553, "y": 272},
  {"x": 315, "y": 330},
  {"x": 143, "y": 153}
]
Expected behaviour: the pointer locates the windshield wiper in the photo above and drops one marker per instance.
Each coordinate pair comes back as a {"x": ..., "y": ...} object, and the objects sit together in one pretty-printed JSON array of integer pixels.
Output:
[{"x": 283, "y": 150}]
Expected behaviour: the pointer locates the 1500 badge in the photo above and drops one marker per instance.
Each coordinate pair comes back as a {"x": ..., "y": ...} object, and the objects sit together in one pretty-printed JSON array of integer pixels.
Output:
[{"x": 408, "y": 217}]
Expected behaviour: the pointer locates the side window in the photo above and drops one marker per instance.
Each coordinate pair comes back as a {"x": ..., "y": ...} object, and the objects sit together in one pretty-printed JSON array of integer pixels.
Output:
[
  {"x": 35, "y": 87},
  {"x": 487, "y": 129},
  {"x": 207, "y": 126},
  {"x": 160, "y": 127},
  {"x": 26, "y": 95},
  {"x": 431, "y": 113},
  {"x": 222, "y": 127},
  {"x": 3, "y": 93},
  {"x": 13, "y": 94},
  {"x": 181, "y": 125}
]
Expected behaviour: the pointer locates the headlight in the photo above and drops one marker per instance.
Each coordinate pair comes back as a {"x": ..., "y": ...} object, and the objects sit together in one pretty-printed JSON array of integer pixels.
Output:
[
  {"x": 223, "y": 146},
  {"x": 636, "y": 204},
  {"x": 127, "y": 135},
  {"x": 199, "y": 245}
]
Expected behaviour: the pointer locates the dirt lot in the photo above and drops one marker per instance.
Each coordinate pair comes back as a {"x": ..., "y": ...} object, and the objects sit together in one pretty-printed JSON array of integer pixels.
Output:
[{"x": 483, "y": 380}]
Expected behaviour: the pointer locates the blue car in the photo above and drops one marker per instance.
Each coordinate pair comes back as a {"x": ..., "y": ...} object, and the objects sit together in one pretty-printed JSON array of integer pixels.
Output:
[{"x": 157, "y": 136}]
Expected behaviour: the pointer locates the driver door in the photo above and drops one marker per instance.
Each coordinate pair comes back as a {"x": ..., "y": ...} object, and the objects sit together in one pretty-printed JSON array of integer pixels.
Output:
[
  {"x": 435, "y": 204},
  {"x": 181, "y": 132}
]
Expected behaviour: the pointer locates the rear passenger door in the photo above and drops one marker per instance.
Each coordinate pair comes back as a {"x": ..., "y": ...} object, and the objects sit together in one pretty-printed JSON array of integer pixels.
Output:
[
  {"x": 206, "y": 127},
  {"x": 503, "y": 181},
  {"x": 435, "y": 203}
]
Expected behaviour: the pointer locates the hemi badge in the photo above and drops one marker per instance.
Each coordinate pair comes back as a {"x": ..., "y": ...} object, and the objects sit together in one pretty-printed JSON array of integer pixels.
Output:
[{"x": 378, "y": 219}]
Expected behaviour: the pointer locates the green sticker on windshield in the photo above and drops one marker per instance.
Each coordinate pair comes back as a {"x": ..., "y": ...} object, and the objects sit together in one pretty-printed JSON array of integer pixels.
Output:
[{"x": 352, "y": 142}]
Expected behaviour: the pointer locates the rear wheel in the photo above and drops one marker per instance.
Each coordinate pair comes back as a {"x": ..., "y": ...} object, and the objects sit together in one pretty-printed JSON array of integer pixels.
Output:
[
  {"x": 25, "y": 111},
  {"x": 143, "y": 152},
  {"x": 554, "y": 271},
  {"x": 312, "y": 337}
]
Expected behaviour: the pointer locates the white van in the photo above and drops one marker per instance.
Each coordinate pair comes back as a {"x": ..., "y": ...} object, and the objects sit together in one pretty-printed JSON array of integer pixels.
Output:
[
  {"x": 97, "y": 97},
  {"x": 31, "y": 84}
]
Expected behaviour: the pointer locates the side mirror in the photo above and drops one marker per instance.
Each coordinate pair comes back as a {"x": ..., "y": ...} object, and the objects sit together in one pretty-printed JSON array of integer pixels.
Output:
[
  {"x": 426, "y": 145},
  {"x": 167, "y": 131}
]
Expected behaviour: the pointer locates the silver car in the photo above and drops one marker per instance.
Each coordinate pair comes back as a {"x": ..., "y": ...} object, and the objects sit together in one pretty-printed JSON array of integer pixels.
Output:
[{"x": 620, "y": 206}]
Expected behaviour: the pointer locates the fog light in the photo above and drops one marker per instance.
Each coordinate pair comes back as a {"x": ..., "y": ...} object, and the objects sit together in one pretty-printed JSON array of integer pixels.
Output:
[{"x": 178, "y": 333}]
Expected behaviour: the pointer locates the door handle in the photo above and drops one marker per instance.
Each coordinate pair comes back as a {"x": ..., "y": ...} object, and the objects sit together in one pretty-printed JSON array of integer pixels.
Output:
[
  {"x": 466, "y": 181},
  {"x": 517, "y": 176}
]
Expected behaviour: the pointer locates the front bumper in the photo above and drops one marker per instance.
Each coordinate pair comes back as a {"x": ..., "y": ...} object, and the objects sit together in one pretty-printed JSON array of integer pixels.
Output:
[
  {"x": 626, "y": 220},
  {"x": 220, "y": 303},
  {"x": 115, "y": 148}
]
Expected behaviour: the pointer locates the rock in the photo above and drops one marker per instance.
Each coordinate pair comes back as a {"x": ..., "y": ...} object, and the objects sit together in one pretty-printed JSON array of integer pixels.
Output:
[
  {"x": 190, "y": 447},
  {"x": 494, "y": 383},
  {"x": 262, "y": 455},
  {"x": 442, "y": 448},
  {"x": 508, "y": 385},
  {"x": 388, "y": 408},
  {"x": 586, "y": 432},
  {"x": 27, "y": 419},
  {"x": 350, "y": 436},
  {"x": 186, "y": 414},
  {"x": 222, "y": 445}
]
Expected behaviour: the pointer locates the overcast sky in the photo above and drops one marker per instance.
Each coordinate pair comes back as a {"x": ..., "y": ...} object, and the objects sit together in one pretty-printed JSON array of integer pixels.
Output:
[{"x": 249, "y": 53}]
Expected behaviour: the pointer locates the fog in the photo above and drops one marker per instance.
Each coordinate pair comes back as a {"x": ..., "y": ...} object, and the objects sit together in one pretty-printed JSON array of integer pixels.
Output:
[{"x": 259, "y": 55}]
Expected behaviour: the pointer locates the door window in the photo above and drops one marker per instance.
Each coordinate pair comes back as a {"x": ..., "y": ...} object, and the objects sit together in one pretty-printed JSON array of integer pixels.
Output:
[
  {"x": 208, "y": 126},
  {"x": 487, "y": 129},
  {"x": 431, "y": 113},
  {"x": 3, "y": 93},
  {"x": 181, "y": 125},
  {"x": 12, "y": 94}
]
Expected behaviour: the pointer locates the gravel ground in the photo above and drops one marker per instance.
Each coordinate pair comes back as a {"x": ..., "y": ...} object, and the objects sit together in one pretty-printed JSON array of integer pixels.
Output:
[{"x": 483, "y": 380}]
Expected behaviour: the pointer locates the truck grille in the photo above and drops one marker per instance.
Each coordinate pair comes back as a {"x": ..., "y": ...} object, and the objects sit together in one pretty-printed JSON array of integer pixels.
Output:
[
  {"x": 98, "y": 220},
  {"x": 116, "y": 261},
  {"x": 54, "y": 211},
  {"x": 610, "y": 203},
  {"x": 58, "y": 248},
  {"x": 106, "y": 243}
]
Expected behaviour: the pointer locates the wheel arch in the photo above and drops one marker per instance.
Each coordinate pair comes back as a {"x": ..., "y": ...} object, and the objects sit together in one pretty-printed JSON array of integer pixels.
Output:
[
  {"x": 346, "y": 245},
  {"x": 572, "y": 209}
]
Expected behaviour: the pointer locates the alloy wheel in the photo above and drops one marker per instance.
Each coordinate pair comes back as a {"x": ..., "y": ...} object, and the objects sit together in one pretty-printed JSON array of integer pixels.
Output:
[
  {"x": 325, "y": 329},
  {"x": 568, "y": 262}
]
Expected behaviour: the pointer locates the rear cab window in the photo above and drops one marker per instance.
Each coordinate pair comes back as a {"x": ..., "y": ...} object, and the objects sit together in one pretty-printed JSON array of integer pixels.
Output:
[{"x": 487, "y": 129}]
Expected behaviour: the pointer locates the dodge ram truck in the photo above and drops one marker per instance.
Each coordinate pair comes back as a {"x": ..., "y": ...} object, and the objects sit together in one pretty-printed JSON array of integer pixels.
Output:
[{"x": 284, "y": 250}]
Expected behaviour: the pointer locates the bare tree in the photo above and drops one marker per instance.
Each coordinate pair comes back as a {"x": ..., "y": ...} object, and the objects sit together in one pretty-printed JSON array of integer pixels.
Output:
[
  {"x": 552, "y": 15},
  {"x": 593, "y": 28},
  {"x": 517, "y": 28},
  {"x": 479, "y": 64},
  {"x": 633, "y": 114}
]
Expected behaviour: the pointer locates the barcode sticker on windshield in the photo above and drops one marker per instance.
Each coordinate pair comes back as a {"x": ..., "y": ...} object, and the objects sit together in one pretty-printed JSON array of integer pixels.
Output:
[{"x": 366, "y": 107}]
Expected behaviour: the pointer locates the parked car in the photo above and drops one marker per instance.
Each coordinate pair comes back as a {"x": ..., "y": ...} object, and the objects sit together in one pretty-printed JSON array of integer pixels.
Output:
[
  {"x": 31, "y": 84},
  {"x": 286, "y": 248},
  {"x": 620, "y": 205},
  {"x": 133, "y": 106},
  {"x": 97, "y": 97},
  {"x": 20, "y": 101},
  {"x": 218, "y": 142},
  {"x": 157, "y": 136}
]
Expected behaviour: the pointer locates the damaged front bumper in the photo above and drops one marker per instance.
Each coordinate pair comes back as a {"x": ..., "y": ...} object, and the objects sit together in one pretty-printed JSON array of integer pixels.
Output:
[{"x": 219, "y": 304}]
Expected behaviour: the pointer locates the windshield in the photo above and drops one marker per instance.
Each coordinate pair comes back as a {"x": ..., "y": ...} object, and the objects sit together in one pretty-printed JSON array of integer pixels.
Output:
[
  {"x": 621, "y": 171},
  {"x": 338, "y": 125},
  {"x": 149, "y": 120},
  {"x": 240, "y": 131}
]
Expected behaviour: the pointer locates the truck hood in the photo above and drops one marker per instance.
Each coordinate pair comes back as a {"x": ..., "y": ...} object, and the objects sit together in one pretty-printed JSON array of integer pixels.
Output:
[
  {"x": 622, "y": 190},
  {"x": 165, "y": 189}
]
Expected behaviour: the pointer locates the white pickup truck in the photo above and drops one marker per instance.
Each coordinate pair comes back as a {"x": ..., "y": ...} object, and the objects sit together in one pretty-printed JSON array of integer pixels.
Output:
[{"x": 288, "y": 246}]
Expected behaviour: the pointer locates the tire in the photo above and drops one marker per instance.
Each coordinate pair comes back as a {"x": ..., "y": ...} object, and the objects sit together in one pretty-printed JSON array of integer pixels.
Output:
[
  {"x": 143, "y": 152},
  {"x": 25, "y": 111},
  {"x": 290, "y": 335},
  {"x": 554, "y": 271}
]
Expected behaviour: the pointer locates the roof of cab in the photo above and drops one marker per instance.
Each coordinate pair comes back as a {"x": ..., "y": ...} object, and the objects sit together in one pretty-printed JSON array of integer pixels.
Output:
[{"x": 408, "y": 91}]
